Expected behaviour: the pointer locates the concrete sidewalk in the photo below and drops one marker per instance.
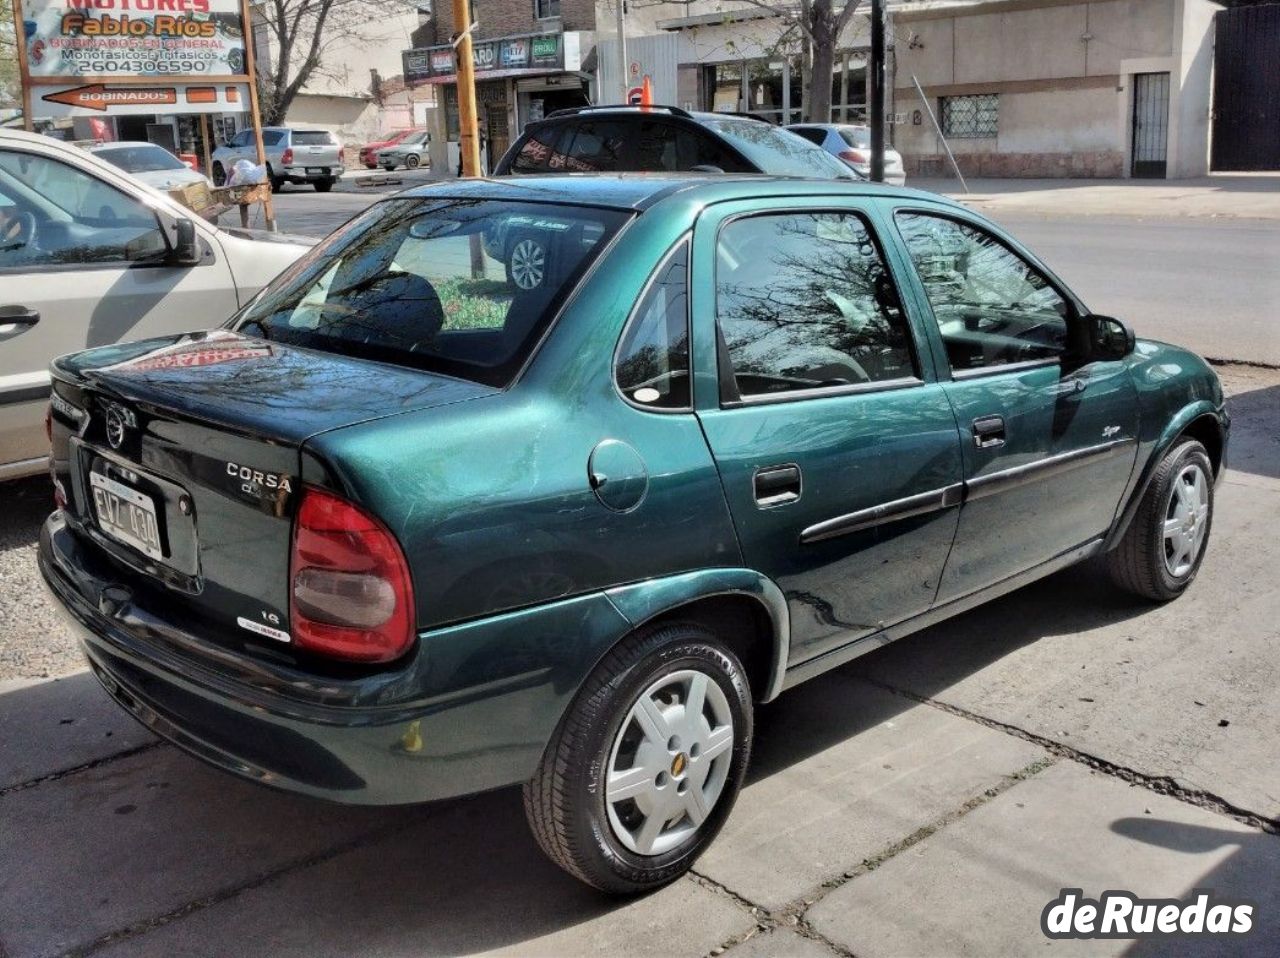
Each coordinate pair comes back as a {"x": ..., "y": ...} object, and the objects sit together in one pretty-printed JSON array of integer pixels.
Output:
[{"x": 1236, "y": 195}]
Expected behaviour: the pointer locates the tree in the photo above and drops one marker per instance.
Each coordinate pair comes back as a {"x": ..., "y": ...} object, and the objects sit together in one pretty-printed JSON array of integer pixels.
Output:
[{"x": 300, "y": 33}]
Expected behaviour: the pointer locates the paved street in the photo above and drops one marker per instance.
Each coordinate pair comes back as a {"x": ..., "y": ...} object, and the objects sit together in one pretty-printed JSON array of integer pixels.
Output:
[{"x": 930, "y": 797}]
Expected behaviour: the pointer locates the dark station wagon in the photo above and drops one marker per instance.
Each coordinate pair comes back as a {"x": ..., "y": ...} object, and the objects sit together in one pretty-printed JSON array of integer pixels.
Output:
[{"x": 406, "y": 529}]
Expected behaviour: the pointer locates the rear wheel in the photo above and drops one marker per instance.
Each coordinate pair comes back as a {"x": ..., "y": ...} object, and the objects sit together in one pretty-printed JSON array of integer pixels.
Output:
[
  {"x": 1162, "y": 549},
  {"x": 219, "y": 175},
  {"x": 324, "y": 186},
  {"x": 412, "y": 161},
  {"x": 647, "y": 763},
  {"x": 371, "y": 166},
  {"x": 389, "y": 167}
]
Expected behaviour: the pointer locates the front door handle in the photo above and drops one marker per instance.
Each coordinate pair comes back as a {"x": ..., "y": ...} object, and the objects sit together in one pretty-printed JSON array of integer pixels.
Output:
[
  {"x": 15, "y": 315},
  {"x": 988, "y": 432},
  {"x": 777, "y": 485}
]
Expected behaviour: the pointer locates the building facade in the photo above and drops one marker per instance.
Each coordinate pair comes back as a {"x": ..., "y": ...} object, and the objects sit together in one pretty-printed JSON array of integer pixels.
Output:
[{"x": 1056, "y": 88}]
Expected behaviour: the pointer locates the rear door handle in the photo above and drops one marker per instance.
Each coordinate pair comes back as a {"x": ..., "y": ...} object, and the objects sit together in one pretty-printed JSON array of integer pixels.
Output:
[
  {"x": 988, "y": 432},
  {"x": 16, "y": 315},
  {"x": 777, "y": 485}
]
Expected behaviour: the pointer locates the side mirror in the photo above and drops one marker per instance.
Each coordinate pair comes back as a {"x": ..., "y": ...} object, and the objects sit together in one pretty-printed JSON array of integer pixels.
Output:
[
  {"x": 1111, "y": 339},
  {"x": 186, "y": 244}
]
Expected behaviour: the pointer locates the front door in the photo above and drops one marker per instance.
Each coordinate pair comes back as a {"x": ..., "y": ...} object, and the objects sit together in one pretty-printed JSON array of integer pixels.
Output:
[
  {"x": 837, "y": 449},
  {"x": 82, "y": 263},
  {"x": 1150, "y": 125},
  {"x": 1048, "y": 445}
]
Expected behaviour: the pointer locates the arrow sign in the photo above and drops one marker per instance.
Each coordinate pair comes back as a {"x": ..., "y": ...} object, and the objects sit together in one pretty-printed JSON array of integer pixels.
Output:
[{"x": 98, "y": 97}]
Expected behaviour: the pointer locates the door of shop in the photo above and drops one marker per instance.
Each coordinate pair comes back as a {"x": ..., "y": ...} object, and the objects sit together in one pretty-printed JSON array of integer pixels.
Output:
[{"x": 1150, "y": 125}]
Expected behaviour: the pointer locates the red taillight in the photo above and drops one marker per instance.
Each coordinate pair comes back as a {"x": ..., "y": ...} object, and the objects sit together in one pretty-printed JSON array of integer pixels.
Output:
[
  {"x": 854, "y": 156},
  {"x": 286, "y": 158},
  {"x": 350, "y": 595}
]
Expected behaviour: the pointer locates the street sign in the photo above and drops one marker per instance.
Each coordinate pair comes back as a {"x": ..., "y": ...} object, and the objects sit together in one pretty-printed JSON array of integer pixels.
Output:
[
  {"x": 634, "y": 95},
  {"x": 131, "y": 100}
]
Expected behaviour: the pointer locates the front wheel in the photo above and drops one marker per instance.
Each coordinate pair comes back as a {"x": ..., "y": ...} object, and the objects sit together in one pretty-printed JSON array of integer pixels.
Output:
[
  {"x": 412, "y": 161},
  {"x": 1163, "y": 547},
  {"x": 647, "y": 763}
]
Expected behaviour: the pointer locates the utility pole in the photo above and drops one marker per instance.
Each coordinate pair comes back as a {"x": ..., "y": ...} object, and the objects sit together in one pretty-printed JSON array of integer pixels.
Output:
[
  {"x": 876, "y": 105},
  {"x": 623, "y": 65},
  {"x": 468, "y": 131}
]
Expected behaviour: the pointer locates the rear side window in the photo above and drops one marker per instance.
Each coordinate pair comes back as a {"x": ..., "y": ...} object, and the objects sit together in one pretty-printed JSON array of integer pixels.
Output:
[
  {"x": 462, "y": 287},
  {"x": 804, "y": 301},
  {"x": 857, "y": 137},
  {"x": 313, "y": 138},
  {"x": 779, "y": 152},
  {"x": 597, "y": 147},
  {"x": 809, "y": 133},
  {"x": 269, "y": 138},
  {"x": 653, "y": 358},
  {"x": 538, "y": 154}
]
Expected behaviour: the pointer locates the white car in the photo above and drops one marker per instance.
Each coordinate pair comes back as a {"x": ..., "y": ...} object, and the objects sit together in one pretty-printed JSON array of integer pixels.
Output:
[
  {"x": 89, "y": 256},
  {"x": 852, "y": 144},
  {"x": 149, "y": 163}
]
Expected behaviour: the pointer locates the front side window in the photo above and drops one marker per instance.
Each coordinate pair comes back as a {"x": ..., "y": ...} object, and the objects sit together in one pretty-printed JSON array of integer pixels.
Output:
[
  {"x": 804, "y": 301},
  {"x": 653, "y": 358},
  {"x": 971, "y": 117},
  {"x": 52, "y": 214},
  {"x": 462, "y": 287},
  {"x": 992, "y": 307}
]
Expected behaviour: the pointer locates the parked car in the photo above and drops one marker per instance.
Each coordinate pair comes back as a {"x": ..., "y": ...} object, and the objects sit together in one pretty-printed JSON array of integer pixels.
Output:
[
  {"x": 148, "y": 163},
  {"x": 405, "y": 530},
  {"x": 413, "y": 151},
  {"x": 90, "y": 256},
  {"x": 369, "y": 152},
  {"x": 852, "y": 144},
  {"x": 293, "y": 156}
]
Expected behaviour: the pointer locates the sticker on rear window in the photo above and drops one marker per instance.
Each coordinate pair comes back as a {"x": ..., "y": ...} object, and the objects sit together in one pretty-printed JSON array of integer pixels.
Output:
[{"x": 258, "y": 627}]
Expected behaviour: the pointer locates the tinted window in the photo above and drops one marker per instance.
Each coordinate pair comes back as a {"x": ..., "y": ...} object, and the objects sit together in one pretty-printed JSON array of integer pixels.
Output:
[
  {"x": 269, "y": 138},
  {"x": 313, "y": 138},
  {"x": 803, "y": 301},
  {"x": 653, "y": 359},
  {"x": 809, "y": 133},
  {"x": 140, "y": 159},
  {"x": 457, "y": 286},
  {"x": 664, "y": 147},
  {"x": 597, "y": 146},
  {"x": 991, "y": 305},
  {"x": 538, "y": 150},
  {"x": 777, "y": 151},
  {"x": 55, "y": 214}
]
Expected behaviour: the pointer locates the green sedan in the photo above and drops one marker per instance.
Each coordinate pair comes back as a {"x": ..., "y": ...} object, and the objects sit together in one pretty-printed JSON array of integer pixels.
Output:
[{"x": 406, "y": 528}]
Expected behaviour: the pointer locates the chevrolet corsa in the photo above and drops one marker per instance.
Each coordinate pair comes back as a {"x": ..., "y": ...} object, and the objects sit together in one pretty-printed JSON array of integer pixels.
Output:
[{"x": 413, "y": 525}]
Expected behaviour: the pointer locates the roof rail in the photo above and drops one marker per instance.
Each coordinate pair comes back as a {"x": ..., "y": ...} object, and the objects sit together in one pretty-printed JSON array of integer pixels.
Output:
[
  {"x": 742, "y": 115},
  {"x": 570, "y": 111}
]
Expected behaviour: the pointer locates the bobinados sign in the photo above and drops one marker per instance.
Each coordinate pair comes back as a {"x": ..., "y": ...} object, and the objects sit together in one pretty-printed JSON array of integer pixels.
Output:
[{"x": 178, "y": 39}]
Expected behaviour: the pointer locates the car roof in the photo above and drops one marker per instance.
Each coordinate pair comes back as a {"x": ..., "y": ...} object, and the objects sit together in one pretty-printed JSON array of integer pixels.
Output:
[
  {"x": 639, "y": 191},
  {"x": 121, "y": 144}
]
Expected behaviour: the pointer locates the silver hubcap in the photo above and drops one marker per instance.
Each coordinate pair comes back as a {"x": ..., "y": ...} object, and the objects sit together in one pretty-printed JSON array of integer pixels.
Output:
[
  {"x": 1186, "y": 520},
  {"x": 527, "y": 264},
  {"x": 669, "y": 762}
]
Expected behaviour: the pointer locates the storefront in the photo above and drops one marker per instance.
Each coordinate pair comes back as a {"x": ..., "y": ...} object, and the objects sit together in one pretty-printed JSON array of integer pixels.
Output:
[{"x": 518, "y": 79}]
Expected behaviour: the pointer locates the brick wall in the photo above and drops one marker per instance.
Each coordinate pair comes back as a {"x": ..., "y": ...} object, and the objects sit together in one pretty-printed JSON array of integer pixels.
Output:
[{"x": 503, "y": 18}]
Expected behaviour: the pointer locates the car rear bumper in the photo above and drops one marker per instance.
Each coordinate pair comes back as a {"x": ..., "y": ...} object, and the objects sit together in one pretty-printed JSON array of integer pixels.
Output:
[{"x": 383, "y": 744}]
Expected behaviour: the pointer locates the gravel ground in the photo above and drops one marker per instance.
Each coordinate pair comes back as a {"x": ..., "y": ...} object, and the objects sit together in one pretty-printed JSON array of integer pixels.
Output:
[{"x": 36, "y": 644}]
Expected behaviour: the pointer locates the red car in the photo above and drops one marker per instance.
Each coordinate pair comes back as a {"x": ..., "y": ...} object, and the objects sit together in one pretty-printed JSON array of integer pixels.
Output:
[{"x": 369, "y": 152}]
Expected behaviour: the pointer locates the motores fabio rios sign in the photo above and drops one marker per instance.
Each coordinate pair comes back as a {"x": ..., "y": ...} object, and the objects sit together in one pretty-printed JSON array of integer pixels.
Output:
[{"x": 177, "y": 39}]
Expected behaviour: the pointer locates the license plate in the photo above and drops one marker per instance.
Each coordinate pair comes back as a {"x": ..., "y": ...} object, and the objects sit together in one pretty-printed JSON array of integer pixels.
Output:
[
  {"x": 126, "y": 515},
  {"x": 315, "y": 169}
]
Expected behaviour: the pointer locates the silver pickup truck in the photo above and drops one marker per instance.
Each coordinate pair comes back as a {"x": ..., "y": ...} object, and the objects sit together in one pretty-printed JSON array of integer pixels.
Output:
[{"x": 293, "y": 156}]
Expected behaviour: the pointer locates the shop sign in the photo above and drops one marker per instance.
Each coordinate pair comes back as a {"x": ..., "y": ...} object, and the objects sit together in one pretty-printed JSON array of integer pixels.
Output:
[
  {"x": 441, "y": 61},
  {"x": 484, "y": 56},
  {"x": 177, "y": 39},
  {"x": 515, "y": 53},
  {"x": 416, "y": 63},
  {"x": 546, "y": 48},
  {"x": 123, "y": 99}
]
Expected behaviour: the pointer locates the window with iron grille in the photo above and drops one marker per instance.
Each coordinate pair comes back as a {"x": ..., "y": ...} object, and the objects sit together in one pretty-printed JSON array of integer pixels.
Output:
[
  {"x": 544, "y": 9},
  {"x": 970, "y": 117}
]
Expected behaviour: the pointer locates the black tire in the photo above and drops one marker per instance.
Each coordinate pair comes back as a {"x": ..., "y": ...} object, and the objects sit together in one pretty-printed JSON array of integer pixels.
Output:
[
  {"x": 1138, "y": 563},
  {"x": 564, "y": 801},
  {"x": 324, "y": 186},
  {"x": 412, "y": 161},
  {"x": 371, "y": 166},
  {"x": 219, "y": 175},
  {"x": 389, "y": 167}
]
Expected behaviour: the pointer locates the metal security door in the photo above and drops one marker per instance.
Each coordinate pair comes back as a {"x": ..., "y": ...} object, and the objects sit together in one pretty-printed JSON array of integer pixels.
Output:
[
  {"x": 1246, "y": 89},
  {"x": 1150, "y": 125}
]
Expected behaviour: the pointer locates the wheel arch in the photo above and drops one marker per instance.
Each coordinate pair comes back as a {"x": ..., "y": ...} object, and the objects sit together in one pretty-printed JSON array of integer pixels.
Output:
[
  {"x": 746, "y": 608},
  {"x": 1201, "y": 421}
]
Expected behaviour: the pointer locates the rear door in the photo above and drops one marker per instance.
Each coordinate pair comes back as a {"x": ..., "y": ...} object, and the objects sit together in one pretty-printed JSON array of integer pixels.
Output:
[
  {"x": 837, "y": 448},
  {"x": 81, "y": 264},
  {"x": 1049, "y": 443}
]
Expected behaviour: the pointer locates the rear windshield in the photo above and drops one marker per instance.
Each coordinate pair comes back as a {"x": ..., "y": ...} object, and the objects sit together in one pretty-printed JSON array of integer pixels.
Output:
[
  {"x": 141, "y": 159},
  {"x": 461, "y": 287},
  {"x": 779, "y": 152},
  {"x": 313, "y": 138},
  {"x": 856, "y": 136}
]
